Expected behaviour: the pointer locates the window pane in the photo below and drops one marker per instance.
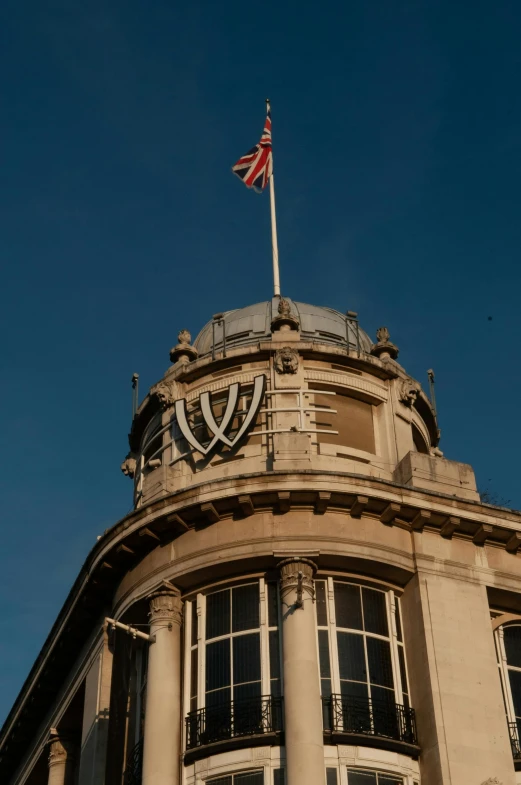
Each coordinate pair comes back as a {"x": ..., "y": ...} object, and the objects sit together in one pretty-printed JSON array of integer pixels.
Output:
[
  {"x": 320, "y": 592},
  {"x": 385, "y": 779},
  {"x": 379, "y": 657},
  {"x": 323, "y": 652},
  {"x": 398, "y": 619},
  {"x": 325, "y": 688},
  {"x": 246, "y": 658},
  {"x": 245, "y": 607},
  {"x": 515, "y": 686},
  {"x": 251, "y": 778},
  {"x": 361, "y": 777},
  {"x": 194, "y": 623},
  {"x": 513, "y": 645},
  {"x": 273, "y": 603},
  {"x": 354, "y": 689},
  {"x": 274, "y": 655},
  {"x": 218, "y": 698},
  {"x": 193, "y": 674},
  {"x": 403, "y": 673},
  {"x": 385, "y": 718},
  {"x": 348, "y": 606},
  {"x": 245, "y": 692},
  {"x": 278, "y": 777},
  {"x": 375, "y": 612},
  {"x": 331, "y": 777},
  {"x": 221, "y": 781},
  {"x": 351, "y": 656},
  {"x": 218, "y": 614},
  {"x": 217, "y": 665}
]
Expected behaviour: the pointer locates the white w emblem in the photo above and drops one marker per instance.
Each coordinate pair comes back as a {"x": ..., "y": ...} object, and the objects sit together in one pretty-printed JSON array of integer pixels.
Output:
[{"x": 219, "y": 430}]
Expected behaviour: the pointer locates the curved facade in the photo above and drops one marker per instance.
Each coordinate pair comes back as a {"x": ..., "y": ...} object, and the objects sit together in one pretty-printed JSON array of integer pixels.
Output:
[{"x": 306, "y": 592}]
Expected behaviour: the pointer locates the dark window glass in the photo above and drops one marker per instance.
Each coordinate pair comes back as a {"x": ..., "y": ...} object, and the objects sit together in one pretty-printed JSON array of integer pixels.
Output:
[
  {"x": 245, "y": 607},
  {"x": 320, "y": 591},
  {"x": 323, "y": 652},
  {"x": 194, "y": 623},
  {"x": 348, "y": 607},
  {"x": 246, "y": 658},
  {"x": 351, "y": 656},
  {"x": 193, "y": 674},
  {"x": 217, "y": 665},
  {"x": 398, "y": 620},
  {"x": 274, "y": 655},
  {"x": 218, "y": 697},
  {"x": 273, "y": 606},
  {"x": 218, "y": 614},
  {"x": 379, "y": 658},
  {"x": 278, "y": 777},
  {"x": 331, "y": 777},
  {"x": 361, "y": 777},
  {"x": 512, "y": 636},
  {"x": 354, "y": 689},
  {"x": 380, "y": 695},
  {"x": 403, "y": 673},
  {"x": 221, "y": 781},
  {"x": 515, "y": 686},
  {"x": 325, "y": 688},
  {"x": 385, "y": 779},
  {"x": 243, "y": 692},
  {"x": 375, "y": 612},
  {"x": 249, "y": 778}
]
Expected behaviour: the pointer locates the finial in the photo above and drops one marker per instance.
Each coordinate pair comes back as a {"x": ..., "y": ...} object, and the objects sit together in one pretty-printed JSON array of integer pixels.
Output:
[
  {"x": 384, "y": 348},
  {"x": 285, "y": 320},
  {"x": 183, "y": 351}
]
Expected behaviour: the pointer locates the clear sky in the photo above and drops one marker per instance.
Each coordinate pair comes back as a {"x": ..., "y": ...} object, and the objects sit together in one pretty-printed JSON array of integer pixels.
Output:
[{"x": 397, "y": 149}]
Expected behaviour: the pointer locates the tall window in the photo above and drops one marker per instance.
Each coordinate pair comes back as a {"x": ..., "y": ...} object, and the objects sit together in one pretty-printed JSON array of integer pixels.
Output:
[
  {"x": 508, "y": 645},
  {"x": 245, "y": 778},
  {"x": 358, "y": 777}
]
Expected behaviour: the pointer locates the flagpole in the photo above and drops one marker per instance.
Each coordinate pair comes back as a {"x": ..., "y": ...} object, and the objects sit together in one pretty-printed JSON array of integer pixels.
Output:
[{"x": 274, "y": 243}]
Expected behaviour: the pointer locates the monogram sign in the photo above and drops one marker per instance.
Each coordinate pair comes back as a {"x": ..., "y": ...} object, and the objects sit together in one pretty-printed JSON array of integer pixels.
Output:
[{"x": 220, "y": 431}]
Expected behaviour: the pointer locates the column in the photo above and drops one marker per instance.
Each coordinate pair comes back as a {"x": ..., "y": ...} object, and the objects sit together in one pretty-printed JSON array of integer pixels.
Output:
[
  {"x": 61, "y": 759},
  {"x": 454, "y": 681},
  {"x": 302, "y": 701},
  {"x": 162, "y": 743}
]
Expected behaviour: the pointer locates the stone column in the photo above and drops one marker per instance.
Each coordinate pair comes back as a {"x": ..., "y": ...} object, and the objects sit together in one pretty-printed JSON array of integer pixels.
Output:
[
  {"x": 302, "y": 701},
  {"x": 162, "y": 743},
  {"x": 61, "y": 759}
]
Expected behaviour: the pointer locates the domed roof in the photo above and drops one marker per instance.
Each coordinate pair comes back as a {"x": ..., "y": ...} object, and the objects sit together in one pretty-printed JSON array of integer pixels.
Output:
[{"x": 253, "y": 323}]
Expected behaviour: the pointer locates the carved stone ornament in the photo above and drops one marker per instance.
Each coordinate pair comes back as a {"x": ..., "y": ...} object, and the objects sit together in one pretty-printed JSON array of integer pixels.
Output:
[
  {"x": 296, "y": 574},
  {"x": 384, "y": 348},
  {"x": 165, "y": 604},
  {"x": 286, "y": 360},
  {"x": 409, "y": 391},
  {"x": 61, "y": 749},
  {"x": 492, "y": 781},
  {"x": 183, "y": 350},
  {"x": 164, "y": 393},
  {"x": 128, "y": 467},
  {"x": 284, "y": 320}
]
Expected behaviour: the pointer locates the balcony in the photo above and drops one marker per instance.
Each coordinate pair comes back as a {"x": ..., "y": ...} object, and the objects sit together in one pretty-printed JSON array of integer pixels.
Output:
[
  {"x": 134, "y": 767},
  {"x": 370, "y": 723},
  {"x": 515, "y": 744},
  {"x": 224, "y": 726}
]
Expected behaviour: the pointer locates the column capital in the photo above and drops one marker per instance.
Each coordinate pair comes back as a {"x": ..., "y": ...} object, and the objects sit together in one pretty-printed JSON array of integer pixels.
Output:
[
  {"x": 61, "y": 748},
  {"x": 297, "y": 572},
  {"x": 165, "y": 604}
]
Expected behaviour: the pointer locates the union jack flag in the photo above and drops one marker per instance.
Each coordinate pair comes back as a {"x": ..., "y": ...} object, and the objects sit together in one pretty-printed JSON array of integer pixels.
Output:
[{"x": 255, "y": 168}]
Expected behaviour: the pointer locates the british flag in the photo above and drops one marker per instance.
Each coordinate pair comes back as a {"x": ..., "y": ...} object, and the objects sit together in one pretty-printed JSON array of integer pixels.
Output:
[{"x": 255, "y": 168}]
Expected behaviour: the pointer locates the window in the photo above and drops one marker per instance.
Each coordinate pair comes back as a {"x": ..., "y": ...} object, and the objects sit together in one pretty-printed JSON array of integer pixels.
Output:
[
  {"x": 245, "y": 778},
  {"x": 362, "y": 662},
  {"x": 419, "y": 441},
  {"x": 359, "y": 777},
  {"x": 351, "y": 417},
  {"x": 234, "y": 681},
  {"x": 508, "y": 647}
]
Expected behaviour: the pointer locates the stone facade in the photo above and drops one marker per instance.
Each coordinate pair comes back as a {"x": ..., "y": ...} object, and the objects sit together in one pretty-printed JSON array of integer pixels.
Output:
[{"x": 322, "y": 600}]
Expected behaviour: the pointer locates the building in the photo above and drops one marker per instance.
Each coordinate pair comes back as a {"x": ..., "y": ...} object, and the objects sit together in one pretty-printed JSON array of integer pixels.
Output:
[{"x": 306, "y": 591}]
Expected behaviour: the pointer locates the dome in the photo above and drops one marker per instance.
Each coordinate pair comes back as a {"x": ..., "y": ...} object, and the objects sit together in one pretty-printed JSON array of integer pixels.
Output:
[{"x": 253, "y": 323}]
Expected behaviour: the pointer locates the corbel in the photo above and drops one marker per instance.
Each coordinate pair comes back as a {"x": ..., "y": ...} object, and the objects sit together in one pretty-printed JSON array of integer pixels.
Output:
[
  {"x": 246, "y": 505},
  {"x": 513, "y": 543},
  {"x": 450, "y": 524},
  {"x": 358, "y": 506},
  {"x": 322, "y": 502},
  {"x": 210, "y": 513},
  {"x": 482, "y": 534},
  {"x": 389, "y": 514},
  {"x": 421, "y": 518},
  {"x": 284, "y": 499}
]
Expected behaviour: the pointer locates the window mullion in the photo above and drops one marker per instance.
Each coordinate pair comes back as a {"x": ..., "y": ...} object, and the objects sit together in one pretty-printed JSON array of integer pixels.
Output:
[
  {"x": 201, "y": 650},
  {"x": 264, "y": 639},
  {"x": 395, "y": 662},
  {"x": 503, "y": 670},
  {"x": 333, "y": 643}
]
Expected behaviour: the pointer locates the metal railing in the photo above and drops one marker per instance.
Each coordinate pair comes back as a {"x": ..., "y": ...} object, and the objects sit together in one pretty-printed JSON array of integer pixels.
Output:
[
  {"x": 134, "y": 767},
  {"x": 515, "y": 743},
  {"x": 230, "y": 720},
  {"x": 346, "y": 714}
]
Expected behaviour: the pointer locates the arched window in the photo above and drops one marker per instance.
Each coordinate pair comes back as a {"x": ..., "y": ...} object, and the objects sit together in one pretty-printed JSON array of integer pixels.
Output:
[{"x": 508, "y": 647}]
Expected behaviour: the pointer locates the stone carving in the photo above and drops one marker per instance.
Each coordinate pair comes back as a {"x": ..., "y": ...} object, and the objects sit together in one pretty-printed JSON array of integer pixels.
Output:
[
  {"x": 128, "y": 467},
  {"x": 384, "y": 348},
  {"x": 297, "y": 573},
  {"x": 284, "y": 308},
  {"x": 286, "y": 360},
  {"x": 166, "y": 605},
  {"x": 409, "y": 391},
  {"x": 183, "y": 350},
  {"x": 60, "y": 748},
  {"x": 164, "y": 393},
  {"x": 184, "y": 337},
  {"x": 492, "y": 781},
  {"x": 284, "y": 320}
]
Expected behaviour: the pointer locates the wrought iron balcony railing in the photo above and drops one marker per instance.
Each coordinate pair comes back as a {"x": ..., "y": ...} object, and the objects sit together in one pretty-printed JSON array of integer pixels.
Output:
[
  {"x": 134, "y": 767},
  {"x": 237, "y": 718},
  {"x": 514, "y": 740},
  {"x": 345, "y": 714}
]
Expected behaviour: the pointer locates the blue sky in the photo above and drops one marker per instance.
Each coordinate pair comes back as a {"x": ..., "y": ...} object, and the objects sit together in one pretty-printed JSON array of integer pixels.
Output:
[{"x": 397, "y": 129}]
